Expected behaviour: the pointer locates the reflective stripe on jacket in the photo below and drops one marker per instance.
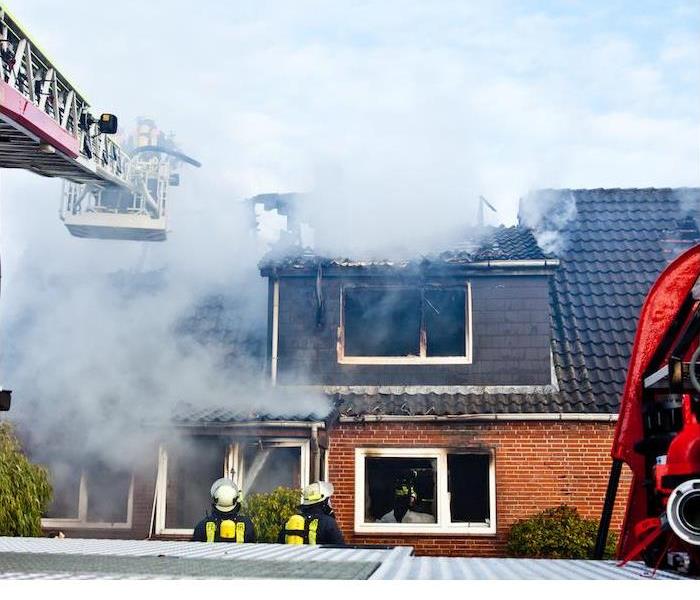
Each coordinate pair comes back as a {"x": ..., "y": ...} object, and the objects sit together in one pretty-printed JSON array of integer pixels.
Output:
[
  {"x": 228, "y": 527},
  {"x": 301, "y": 529},
  {"x": 230, "y": 530}
]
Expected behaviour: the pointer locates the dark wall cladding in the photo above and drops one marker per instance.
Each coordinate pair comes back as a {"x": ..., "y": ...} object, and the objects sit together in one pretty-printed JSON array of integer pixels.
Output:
[{"x": 510, "y": 329}]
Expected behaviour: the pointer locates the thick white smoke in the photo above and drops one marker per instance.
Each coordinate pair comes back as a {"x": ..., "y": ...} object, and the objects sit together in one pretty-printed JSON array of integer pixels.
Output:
[
  {"x": 396, "y": 117},
  {"x": 103, "y": 337}
]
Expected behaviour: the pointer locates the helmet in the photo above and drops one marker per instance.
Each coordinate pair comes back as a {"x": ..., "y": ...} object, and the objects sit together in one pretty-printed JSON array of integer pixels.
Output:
[
  {"x": 316, "y": 492},
  {"x": 405, "y": 490},
  {"x": 224, "y": 494}
]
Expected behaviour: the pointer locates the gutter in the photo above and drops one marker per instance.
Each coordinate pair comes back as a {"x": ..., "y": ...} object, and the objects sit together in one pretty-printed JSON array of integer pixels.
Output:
[
  {"x": 534, "y": 263},
  {"x": 249, "y": 424},
  {"x": 275, "y": 330},
  {"x": 573, "y": 417},
  {"x": 304, "y": 270}
]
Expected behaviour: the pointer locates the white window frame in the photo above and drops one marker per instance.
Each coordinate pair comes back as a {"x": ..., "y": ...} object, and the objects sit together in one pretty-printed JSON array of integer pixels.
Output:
[
  {"x": 408, "y": 360},
  {"x": 81, "y": 522},
  {"x": 443, "y": 524},
  {"x": 231, "y": 460}
]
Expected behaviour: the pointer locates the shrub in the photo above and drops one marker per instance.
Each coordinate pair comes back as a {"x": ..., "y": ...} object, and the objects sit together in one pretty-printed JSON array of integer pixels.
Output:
[
  {"x": 556, "y": 533},
  {"x": 269, "y": 512},
  {"x": 25, "y": 491}
]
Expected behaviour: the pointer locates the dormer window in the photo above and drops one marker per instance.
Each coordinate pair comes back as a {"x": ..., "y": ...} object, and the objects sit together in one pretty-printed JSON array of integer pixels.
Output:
[{"x": 405, "y": 324}]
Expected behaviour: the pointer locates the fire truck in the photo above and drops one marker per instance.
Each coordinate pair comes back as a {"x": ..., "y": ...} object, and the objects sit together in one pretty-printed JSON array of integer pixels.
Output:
[{"x": 658, "y": 431}]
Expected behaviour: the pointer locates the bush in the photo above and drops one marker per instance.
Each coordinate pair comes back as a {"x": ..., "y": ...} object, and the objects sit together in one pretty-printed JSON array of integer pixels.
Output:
[
  {"x": 25, "y": 491},
  {"x": 269, "y": 512},
  {"x": 556, "y": 533}
]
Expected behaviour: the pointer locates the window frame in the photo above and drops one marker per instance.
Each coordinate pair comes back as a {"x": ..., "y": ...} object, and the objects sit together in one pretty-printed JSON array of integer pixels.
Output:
[
  {"x": 423, "y": 359},
  {"x": 81, "y": 522},
  {"x": 443, "y": 525},
  {"x": 231, "y": 460}
]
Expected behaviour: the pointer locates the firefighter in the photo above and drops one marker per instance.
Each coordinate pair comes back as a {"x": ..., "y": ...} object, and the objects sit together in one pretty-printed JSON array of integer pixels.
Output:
[
  {"x": 315, "y": 522},
  {"x": 225, "y": 524},
  {"x": 406, "y": 498}
]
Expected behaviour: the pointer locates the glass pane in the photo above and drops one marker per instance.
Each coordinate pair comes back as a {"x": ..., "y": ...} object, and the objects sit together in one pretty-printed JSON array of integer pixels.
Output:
[
  {"x": 107, "y": 494},
  {"x": 382, "y": 322},
  {"x": 65, "y": 480},
  {"x": 400, "y": 490},
  {"x": 468, "y": 483},
  {"x": 270, "y": 468},
  {"x": 193, "y": 465},
  {"x": 445, "y": 315}
]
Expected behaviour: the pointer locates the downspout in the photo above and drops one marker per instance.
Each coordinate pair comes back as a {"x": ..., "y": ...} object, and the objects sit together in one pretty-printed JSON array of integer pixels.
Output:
[
  {"x": 275, "y": 330},
  {"x": 315, "y": 454}
]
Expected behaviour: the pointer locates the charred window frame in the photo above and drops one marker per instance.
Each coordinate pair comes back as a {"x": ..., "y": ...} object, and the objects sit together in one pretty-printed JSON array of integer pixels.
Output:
[
  {"x": 464, "y": 502},
  {"x": 92, "y": 514},
  {"x": 426, "y": 324},
  {"x": 232, "y": 460}
]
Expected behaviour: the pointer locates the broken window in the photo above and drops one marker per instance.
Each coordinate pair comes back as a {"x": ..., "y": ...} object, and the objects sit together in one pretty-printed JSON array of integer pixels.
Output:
[
  {"x": 98, "y": 494},
  {"x": 188, "y": 467},
  {"x": 445, "y": 322},
  {"x": 400, "y": 490},
  {"x": 441, "y": 489},
  {"x": 382, "y": 322},
  {"x": 404, "y": 322},
  {"x": 192, "y": 466},
  {"x": 468, "y": 486},
  {"x": 107, "y": 493},
  {"x": 266, "y": 468},
  {"x": 65, "y": 482}
]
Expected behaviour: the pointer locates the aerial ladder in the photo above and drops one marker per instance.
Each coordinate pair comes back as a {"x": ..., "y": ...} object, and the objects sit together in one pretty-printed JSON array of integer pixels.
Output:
[{"x": 47, "y": 127}]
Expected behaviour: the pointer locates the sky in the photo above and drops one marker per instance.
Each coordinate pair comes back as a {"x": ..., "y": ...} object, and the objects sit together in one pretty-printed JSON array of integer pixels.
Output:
[
  {"x": 396, "y": 113},
  {"x": 393, "y": 116}
]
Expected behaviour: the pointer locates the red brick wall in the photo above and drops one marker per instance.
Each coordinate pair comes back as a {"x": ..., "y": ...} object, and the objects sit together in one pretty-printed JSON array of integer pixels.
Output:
[{"x": 538, "y": 465}]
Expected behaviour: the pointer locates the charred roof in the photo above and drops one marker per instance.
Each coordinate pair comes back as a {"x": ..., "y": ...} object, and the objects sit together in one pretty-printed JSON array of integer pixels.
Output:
[{"x": 479, "y": 245}]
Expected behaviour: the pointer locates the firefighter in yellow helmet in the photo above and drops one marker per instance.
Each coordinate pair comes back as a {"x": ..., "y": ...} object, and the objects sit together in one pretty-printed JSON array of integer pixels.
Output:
[
  {"x": 315, "y": 522},
  {"x": 225, "y": 524}
]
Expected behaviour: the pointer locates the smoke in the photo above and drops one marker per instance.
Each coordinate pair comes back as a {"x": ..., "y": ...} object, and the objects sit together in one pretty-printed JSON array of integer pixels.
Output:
[
  {"x": 547, "y": 213},
  {"x": 689, "y": 204},
  {"x": 103, "y": 341},
  {"x": 394, "y": 118}
]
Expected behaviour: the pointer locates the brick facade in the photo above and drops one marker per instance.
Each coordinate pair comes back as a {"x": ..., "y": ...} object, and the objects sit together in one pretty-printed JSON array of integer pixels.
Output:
[{"x": 538, "y": 465}]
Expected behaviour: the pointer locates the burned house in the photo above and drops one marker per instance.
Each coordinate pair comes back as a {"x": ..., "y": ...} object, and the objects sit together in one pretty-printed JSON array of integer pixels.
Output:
[{"x": 488, "y": 375}]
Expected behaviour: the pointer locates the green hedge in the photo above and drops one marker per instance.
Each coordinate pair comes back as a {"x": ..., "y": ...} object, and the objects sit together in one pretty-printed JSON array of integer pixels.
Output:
[
  {"x": 556, "y": 533},
  {"x": 269, "y": 512},
  {"x": 25, "y": 491}
]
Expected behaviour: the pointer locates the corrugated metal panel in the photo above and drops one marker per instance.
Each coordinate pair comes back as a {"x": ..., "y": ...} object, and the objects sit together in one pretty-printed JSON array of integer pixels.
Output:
[
  {"x": 512, "y": 568},
  {"x": 43, "y": 558},
  {"x": 47, "y": 563},
  {"x": 190, "y": 550}
]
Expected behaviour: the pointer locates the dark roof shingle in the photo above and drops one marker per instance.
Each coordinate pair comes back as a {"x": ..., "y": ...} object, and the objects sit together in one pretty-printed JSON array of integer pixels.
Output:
[{"x": 611, "y": 251}]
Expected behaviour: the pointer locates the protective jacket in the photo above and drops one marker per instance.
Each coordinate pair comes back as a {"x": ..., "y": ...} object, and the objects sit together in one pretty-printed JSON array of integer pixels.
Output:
[
  {"x": 311, "y": 525},
  {"x": 224, "y": 527}
]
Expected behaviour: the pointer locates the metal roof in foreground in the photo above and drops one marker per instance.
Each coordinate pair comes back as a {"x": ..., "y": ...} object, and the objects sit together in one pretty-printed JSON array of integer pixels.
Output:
[{"x": 44, "y": 558}]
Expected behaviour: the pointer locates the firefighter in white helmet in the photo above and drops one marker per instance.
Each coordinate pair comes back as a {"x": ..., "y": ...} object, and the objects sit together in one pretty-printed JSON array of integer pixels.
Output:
[
  {"x": 315, "y": 522},
  {"x": 225, "y": 524}
]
